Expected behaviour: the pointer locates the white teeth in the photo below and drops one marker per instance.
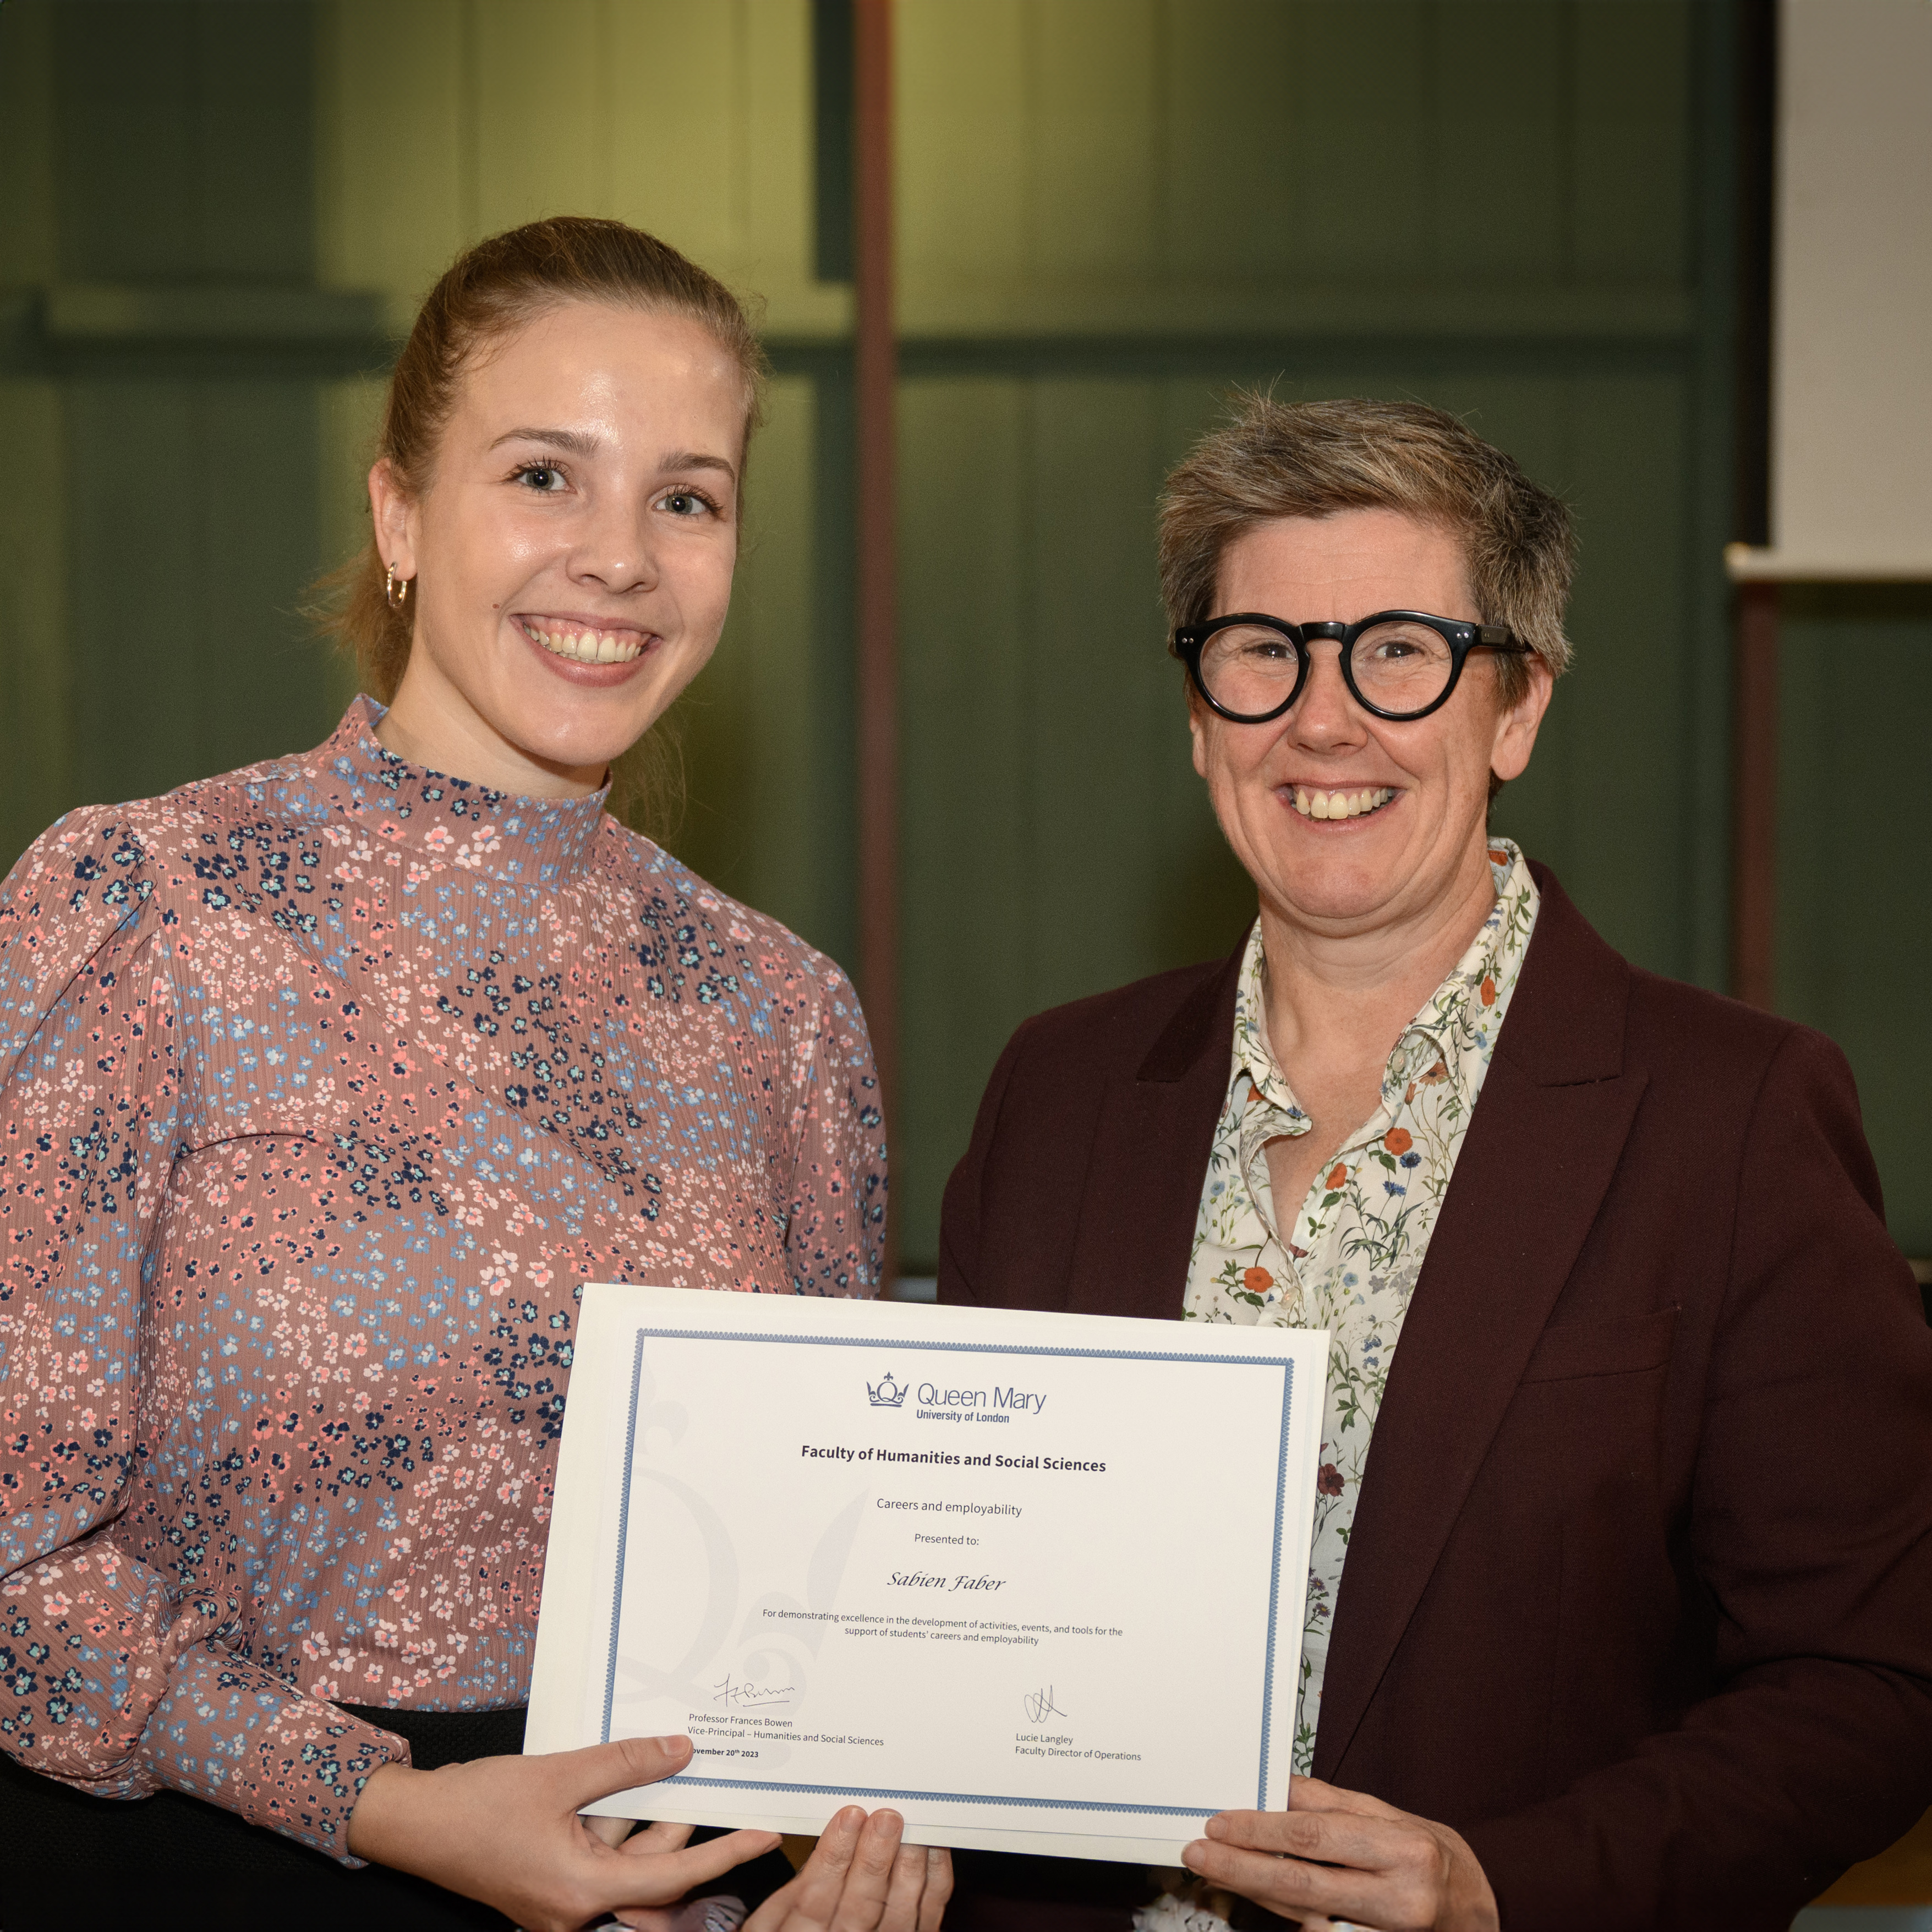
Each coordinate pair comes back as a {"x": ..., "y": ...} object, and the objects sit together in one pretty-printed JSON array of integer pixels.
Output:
[
  {"x": 587, "y": 646},
  {"x": 1332, "y": 805}
]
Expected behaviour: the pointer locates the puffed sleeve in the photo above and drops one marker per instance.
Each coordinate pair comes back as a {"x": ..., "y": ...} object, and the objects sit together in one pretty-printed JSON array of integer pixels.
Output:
[
  {"x": 835, "y": 1227},
  {"x": 116, "y": 1676}
]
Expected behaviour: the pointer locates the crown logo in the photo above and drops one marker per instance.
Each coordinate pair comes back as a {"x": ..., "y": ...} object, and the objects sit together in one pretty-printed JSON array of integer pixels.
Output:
[{"x": 887, "y": 1394}]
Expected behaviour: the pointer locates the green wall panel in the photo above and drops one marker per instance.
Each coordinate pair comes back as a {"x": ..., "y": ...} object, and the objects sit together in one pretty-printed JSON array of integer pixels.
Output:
[
  {"x": 967, "y": 827},
  {"x": 184, "y": 140},
  {"x": 29, "y": 229},
  {"x": 192, "y": 522},
  {"x": 764, "y": 733},
  {"x": 1220, "y": 145},
  {"x": 1854, "y": 828},
  {"x": 36, "y": 672},
  {"x": 157, "y": 524},
  {"x": 1635, "y": 110},
  {"x": 439, "y": 121},
  {"x": 1112, "y": 213}
]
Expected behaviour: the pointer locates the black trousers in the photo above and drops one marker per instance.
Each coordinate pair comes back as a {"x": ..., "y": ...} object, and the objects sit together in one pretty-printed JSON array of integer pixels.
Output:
[{"x": 170, "y": 1863}]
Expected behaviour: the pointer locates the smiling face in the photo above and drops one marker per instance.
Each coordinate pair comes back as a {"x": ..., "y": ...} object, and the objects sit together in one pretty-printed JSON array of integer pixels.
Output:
[
  {"x": 571, "y": 556},
  {"x": 1347, "y": 823}
]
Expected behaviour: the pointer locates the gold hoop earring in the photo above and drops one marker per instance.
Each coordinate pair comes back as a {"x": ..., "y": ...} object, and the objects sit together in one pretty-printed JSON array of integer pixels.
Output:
[{"x": 395, "y": 590}]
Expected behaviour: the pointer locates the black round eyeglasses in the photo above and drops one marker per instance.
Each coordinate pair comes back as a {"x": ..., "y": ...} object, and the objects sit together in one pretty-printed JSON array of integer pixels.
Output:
[{"x": 1400, "y": 664}]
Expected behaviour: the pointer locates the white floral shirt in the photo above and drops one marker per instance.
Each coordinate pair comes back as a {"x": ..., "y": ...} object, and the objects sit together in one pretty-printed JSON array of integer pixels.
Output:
[{"x": 1349, "y": 1260}]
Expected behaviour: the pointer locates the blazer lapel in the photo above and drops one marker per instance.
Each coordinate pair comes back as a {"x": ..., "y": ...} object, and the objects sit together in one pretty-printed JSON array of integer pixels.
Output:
[
  {"x": 1543, "y": 1144},
  {"x": 1150, "y": 1154}
]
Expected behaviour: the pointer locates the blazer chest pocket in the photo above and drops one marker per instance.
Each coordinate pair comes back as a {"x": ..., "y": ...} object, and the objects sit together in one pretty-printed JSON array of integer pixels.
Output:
[{"x": 1575, "y": 1349}]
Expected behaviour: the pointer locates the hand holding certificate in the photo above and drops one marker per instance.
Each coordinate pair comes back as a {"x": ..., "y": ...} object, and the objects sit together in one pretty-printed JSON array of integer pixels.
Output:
[
  {"x": 507, "y": 1831},
  {"x": 941, "y": 1560}
]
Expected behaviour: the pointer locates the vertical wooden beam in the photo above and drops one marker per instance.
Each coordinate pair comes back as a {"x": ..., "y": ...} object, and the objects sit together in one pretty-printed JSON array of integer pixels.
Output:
[
  {"x": 1754, "y": 798},
  {"x": 1754, "y": 57},
  {"x": 875, "y": 383}
]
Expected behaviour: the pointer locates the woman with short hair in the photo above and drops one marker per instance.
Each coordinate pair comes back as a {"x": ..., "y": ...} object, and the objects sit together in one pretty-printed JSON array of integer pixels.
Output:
[
  {"x": 1615, "y": 1612},
  {"x": 325, "y": 1086}
]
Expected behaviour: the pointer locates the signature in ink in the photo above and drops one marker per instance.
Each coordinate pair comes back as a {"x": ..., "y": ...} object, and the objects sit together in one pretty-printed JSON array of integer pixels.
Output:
[
  {"x": 732, "y": 1691},
  {"x": 1040, "y": 1706}
]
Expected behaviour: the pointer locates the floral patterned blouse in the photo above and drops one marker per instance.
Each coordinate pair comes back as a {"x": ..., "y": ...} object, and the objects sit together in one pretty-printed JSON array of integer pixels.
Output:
[
  {"x": 1349, "y": 1261},
  {"x": 324, "y": 1087}
]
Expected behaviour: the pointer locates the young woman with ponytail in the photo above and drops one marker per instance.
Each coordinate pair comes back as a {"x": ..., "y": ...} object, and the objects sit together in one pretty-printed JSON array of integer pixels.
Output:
[{"x": 324, "y": 1087}]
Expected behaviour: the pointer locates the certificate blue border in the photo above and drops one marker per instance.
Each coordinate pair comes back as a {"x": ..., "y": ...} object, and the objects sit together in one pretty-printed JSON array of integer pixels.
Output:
[{"x": 1284, "y": 1365}]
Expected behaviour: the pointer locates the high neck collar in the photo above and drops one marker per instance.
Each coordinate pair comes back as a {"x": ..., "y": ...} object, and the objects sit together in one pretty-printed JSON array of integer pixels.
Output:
[{"x": 540, "y": 841}]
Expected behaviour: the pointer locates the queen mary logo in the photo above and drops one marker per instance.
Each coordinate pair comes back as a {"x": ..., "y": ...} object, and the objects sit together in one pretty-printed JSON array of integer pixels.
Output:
[{"x": 887, "y": 1394}]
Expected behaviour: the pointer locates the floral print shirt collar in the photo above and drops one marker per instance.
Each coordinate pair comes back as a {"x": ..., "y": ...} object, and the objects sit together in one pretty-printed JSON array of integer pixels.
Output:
[
  {"x": 1347, "y": 1257},
  {"x": 357, "y": 787}
]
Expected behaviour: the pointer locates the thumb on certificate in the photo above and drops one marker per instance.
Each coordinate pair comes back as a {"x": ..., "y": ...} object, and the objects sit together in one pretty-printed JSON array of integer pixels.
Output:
[{"x": 602, "y": 1771}]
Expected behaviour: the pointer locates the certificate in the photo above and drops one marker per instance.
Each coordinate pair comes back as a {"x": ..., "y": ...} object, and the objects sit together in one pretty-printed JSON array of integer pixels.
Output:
[{"x": 1035, "y": 1581}]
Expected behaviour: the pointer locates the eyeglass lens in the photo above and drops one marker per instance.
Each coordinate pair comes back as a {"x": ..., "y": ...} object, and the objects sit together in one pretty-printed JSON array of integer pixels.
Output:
[{"x": 1399, "y": 667}]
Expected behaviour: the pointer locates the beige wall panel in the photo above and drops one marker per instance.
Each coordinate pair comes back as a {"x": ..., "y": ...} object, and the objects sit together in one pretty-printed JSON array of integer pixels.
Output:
[
  {"x": 1851, "y": 398},
  {"x": 395, "y": 189}
]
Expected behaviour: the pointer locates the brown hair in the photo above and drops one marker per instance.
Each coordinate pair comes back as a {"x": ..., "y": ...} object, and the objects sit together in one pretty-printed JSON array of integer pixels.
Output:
[
  {"x": 1276, "y": 459},
  {"x": 488, "y": 291}
]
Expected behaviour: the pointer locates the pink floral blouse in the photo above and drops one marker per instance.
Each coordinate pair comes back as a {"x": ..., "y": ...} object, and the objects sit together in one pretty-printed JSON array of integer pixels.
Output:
[{"x": 324, "y": 1086}]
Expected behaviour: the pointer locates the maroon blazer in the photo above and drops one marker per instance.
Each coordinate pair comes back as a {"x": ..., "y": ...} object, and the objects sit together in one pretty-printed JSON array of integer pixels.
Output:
[{"x": 1639, "y": 1597}]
